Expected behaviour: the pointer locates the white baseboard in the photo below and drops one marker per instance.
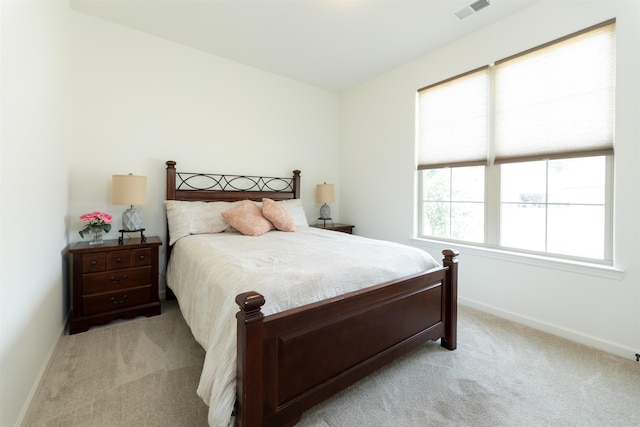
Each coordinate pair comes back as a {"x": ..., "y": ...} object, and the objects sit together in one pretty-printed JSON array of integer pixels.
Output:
[
  {"x": 40, "y": 377},
  {"x": 579, "y": 337}
]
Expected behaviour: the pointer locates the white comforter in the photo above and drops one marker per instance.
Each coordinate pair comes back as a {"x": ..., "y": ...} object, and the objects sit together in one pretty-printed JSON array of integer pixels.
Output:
[{"x": 207, "y": 271}]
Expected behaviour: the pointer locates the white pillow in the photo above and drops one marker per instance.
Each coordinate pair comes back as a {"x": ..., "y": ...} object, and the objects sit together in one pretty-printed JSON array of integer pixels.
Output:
[
  {"x": 185, "y": 218},
  {"x": 295, "y": 209}
]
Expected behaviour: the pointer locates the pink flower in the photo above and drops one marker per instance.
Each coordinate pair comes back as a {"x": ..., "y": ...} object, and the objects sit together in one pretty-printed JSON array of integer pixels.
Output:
[
  {"x": 95, "y": 219},
  {"x": 87, "y": 217},
  {"x": 104, "y": 216}
]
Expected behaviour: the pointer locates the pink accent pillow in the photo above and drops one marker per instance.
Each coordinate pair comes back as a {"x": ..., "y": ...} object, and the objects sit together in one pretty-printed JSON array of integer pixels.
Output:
[
  {"x": 247, "y": 218},
  {"x": 278, "y": 215}
]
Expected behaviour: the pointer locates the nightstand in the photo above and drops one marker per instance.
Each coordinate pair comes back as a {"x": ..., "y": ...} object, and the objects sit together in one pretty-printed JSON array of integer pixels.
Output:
[
  {"x": 113, "y": 280},
  {"x": 335, "y": 226}
]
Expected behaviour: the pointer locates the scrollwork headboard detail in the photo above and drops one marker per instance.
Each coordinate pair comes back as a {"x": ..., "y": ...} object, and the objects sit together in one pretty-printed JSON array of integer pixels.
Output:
[{"x": 207, "y": 187}]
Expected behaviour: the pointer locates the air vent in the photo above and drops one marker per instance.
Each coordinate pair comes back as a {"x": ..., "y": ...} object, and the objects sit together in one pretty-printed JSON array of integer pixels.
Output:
[
  {"x": 472, "y": 8},
  {"x": 479, "y": 5}
]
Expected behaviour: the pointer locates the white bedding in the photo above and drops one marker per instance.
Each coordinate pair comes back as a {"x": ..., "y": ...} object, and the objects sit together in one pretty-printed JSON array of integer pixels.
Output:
[{"x": 207, "y": 271}]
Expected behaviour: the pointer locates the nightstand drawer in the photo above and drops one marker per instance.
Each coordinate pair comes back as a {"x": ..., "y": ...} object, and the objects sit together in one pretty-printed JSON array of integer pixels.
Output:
[
  {"x": 334, "y": 226},
  {"x": 342, "y": 228},
  {"x": 140, "y": 257},
  {"x": 115, "y": 280},
  {"x": 93, "y": 262},
  {"x": 116, "y": 300},
  {"x": 117, "y": 260}
]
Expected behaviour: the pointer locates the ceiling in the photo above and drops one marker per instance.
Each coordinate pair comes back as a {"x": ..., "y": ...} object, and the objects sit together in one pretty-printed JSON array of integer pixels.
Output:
[{"x": 331, "y": 44}]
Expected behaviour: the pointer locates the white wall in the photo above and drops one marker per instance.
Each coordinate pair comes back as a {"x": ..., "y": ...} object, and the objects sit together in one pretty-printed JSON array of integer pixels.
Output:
[
  {"x": 596, "y": 307},
  {"x": 34, "y": 153},
  {"x": 140, "y": 101},
  {"x": 135, "y": 101},
  {"x": 83, "y": 99}
]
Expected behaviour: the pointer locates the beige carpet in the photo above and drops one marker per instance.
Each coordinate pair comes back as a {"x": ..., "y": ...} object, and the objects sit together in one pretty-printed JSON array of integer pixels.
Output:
[
  {"x": 140, "y": 372},
  {"x": 144, "y": 372}
]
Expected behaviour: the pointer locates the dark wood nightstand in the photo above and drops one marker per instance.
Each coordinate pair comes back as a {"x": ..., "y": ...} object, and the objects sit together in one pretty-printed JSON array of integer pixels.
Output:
[
  {"x": 335, "y": 226},
  {"x": 113, "y": 280}
]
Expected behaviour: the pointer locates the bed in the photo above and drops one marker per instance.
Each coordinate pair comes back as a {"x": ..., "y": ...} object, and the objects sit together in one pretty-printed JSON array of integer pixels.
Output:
[{"x": 272, "y": 352}]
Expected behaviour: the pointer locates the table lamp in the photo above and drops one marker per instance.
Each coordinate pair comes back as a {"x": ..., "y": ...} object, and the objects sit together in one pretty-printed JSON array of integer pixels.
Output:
[
  {"x": 324, "y": 195},
  {"x": 129, "y": 190}
]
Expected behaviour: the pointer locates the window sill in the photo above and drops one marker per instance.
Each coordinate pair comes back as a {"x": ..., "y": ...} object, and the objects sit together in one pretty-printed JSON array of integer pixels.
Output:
[{"x": 591, "y": 269}]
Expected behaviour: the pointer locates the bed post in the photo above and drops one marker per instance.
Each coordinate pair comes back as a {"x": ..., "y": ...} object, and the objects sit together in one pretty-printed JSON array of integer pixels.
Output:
[
  {"x": 171, "y": 195},
  {"x": 296, "y": 184},
  {"x": 249, "y": 375},
  {"x": 171, "y": 180},
  {"x": 449, "y": 341}
]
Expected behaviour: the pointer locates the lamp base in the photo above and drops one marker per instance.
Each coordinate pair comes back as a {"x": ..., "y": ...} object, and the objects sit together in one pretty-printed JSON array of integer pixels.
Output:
[
  {"x": 143, "y": 238},
  {"x": 325, "y": 212},
  {"x": 324, "y": 221},
  {"x": 131, "y": 219}
]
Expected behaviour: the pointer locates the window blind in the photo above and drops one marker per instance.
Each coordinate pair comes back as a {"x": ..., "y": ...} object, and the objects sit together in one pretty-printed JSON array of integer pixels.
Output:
[
  {"x": 453, "y": 121},
  {"x": 557, "y": 100}
]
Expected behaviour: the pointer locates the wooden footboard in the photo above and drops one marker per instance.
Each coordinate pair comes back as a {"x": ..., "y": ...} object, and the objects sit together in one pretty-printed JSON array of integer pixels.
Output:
[{"x": 291, "y": 361}]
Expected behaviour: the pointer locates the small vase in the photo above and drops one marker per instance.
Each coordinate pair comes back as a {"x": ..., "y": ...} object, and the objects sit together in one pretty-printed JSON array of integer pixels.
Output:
[{"x": 96, "y": 236}]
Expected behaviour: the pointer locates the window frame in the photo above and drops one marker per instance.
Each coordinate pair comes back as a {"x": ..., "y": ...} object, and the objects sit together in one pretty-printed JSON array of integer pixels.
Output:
[
  {"x": 492, "y": 218},
  {"x": 492, "y": 171}
]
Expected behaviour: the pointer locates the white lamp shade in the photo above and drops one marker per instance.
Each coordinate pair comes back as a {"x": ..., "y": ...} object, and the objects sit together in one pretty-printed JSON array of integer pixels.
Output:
[
  {"x": 324, "y": 193},
  {"x": 129, "y": 190}
]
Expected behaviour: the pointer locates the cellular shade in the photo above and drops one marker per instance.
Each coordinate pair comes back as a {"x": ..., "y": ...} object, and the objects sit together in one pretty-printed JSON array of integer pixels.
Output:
[
  {"x": 557, "y": 100},
  {"x": 453, "y": 121}
]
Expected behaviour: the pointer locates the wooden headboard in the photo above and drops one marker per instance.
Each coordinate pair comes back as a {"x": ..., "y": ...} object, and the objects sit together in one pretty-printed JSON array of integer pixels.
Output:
[{"x": 207, "y": 187}]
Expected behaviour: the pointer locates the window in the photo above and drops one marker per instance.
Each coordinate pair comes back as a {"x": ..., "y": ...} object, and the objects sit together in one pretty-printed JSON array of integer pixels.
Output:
[
  {"x": 453, "y": 203},
  {"x": 519, "y": 154},
  {"x": 557, "y": 206}
]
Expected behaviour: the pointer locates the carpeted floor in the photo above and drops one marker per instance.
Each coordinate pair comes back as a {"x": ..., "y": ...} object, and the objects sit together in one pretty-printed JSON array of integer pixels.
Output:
[
  {"x": 144, "y": 372},
  {"x": 140, "y": 372}
]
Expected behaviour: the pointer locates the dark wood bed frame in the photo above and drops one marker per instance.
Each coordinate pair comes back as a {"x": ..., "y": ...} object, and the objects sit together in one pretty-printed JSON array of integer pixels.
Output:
[{"x": 290, "y": 361}]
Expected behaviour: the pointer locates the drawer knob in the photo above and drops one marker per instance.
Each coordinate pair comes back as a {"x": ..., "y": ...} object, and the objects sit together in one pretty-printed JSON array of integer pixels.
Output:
[
  {"x": 94, "y": 262},
  {"x": 118, "y": 259},
  {"x": 141, "y": 256},
  {"x": 118, "y": 281},
  {"x": 124, "y": 298}
]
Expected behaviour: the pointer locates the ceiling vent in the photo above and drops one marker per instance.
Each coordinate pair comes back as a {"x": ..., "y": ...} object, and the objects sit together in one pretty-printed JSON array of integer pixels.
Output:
[{"x": 474, "y": 7}]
